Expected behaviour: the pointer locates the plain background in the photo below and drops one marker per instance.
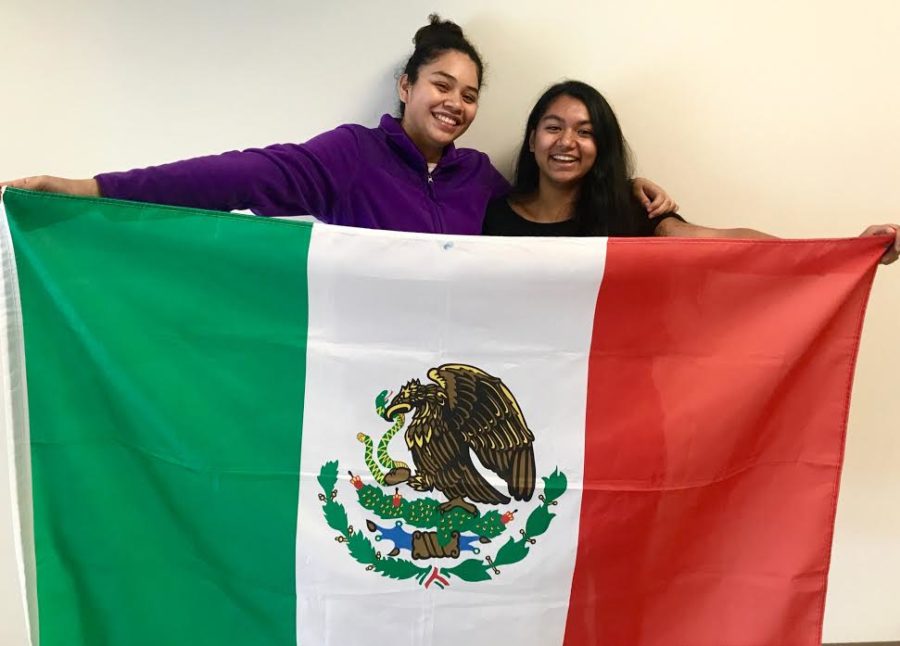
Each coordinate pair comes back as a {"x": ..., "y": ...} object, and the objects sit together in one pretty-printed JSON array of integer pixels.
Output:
[{"x": 778, "y": 115}]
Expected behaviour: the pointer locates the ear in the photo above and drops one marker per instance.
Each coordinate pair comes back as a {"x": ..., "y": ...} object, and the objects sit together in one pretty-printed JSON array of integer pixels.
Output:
[
  {"x": 531, "y": 141},
  {"x": 403, "y": 88}
]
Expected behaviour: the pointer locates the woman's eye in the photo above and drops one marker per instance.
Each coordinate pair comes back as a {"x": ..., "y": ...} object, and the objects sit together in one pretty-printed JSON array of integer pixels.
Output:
[
  {"x": 551, "y": 128},
  {"x": 469, "y": 98},
  {"x": 443, "y": 87},
  {"x": 585, "y": 133}
]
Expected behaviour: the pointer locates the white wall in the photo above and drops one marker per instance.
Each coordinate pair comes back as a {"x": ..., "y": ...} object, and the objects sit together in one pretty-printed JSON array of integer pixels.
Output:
[{"x": 781, "y": 116}]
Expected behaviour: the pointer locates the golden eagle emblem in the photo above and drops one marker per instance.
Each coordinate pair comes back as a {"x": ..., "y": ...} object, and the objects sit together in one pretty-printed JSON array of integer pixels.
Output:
[{"x": 465, "y": 411}]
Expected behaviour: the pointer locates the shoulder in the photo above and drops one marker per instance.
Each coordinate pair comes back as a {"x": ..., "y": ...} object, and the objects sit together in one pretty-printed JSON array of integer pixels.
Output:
[
  {"x": 471, "y": 159},
  {"x": 347, "y": 147},
  {"x": 472, "y": 154},
  {"x": 341, "y": 142},
  {"x": 474, "y": 159},
  {"x": 346, "y": 135},
  {"x": 477, "y": 166}
]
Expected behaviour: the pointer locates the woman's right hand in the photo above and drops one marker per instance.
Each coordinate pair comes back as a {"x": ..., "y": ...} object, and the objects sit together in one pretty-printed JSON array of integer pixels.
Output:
[{"x": 48, "y": 184}]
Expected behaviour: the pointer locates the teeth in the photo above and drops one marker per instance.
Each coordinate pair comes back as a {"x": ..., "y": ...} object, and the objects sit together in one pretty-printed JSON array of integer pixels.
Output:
[
  {"x": 563, "y": 158},
  {"x": 445, "y": 119}
]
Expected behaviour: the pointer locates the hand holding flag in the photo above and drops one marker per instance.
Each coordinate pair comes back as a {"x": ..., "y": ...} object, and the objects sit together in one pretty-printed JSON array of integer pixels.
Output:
[
  {"x": 893, "y": 248},
  {"x": 50, "y": 184}
]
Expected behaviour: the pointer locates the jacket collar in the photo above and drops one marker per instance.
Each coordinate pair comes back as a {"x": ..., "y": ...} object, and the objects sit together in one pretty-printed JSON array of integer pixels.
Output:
[{"x": 401, "y": 142}]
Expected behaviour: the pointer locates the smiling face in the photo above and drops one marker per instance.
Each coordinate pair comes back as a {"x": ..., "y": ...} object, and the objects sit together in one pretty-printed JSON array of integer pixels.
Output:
[
  {"x": 441, "y": 104},
  {"x": 563, "y": 142}
]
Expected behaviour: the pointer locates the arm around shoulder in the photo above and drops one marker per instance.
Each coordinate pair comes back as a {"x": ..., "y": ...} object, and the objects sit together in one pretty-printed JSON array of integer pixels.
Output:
[{"x": 653, "y": 197}]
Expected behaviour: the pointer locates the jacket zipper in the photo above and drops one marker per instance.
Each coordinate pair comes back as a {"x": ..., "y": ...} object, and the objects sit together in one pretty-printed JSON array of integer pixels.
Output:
[{"x": 438, "y": 221}]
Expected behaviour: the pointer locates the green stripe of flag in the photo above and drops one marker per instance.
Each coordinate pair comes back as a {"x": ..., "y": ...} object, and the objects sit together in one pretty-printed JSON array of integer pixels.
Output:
[{"x": 165, "y": 468}]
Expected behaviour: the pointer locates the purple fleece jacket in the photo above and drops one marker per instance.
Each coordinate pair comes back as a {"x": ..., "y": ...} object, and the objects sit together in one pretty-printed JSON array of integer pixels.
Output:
[{"x": 363, "y": 177}]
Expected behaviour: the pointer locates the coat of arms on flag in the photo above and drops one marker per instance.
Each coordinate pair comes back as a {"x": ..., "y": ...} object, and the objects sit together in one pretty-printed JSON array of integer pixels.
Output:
[{"x": 464, "y": 419}]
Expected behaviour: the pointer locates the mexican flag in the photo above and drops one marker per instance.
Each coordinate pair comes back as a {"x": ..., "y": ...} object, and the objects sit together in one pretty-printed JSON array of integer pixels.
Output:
[{"x": 235, "y": 430}]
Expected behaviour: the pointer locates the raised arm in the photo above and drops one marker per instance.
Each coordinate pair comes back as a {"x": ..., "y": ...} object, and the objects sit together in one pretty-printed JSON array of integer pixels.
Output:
[{"x": 285, "y": 179}]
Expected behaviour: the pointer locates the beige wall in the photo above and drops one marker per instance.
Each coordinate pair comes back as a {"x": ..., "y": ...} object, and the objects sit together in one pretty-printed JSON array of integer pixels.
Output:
[{"x": 777, "y": 115}]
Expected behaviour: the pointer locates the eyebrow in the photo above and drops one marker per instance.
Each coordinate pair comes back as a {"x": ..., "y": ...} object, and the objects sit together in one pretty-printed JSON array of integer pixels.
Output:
[
  {"x": 561, "y": 120},
  {"x": 450, "y": 77}
]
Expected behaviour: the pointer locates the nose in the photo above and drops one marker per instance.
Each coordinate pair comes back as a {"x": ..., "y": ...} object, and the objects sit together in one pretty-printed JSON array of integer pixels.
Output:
[
  {"x": 453, "y": 101},
  {"x": 566, "y": 137}
]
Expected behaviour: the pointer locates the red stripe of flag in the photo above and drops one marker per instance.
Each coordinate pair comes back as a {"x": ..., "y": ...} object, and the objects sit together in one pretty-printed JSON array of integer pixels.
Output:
[{"x": 718, "y": 393}]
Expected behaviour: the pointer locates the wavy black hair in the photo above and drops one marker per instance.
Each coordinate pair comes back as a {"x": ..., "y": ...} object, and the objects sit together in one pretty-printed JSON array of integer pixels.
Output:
[
  {"x": 432, "y": 40},
  {"x": 605, "y": 204}
]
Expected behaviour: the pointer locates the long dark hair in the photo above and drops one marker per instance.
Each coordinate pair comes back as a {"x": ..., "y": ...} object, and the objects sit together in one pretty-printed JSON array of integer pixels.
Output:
[
  {"x": 605, "y": 204},
  {"x": 432, "y": 40}
]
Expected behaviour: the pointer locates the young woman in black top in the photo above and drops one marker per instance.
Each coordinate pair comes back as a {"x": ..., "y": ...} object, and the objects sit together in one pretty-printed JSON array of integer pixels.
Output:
[{"x": 573, "y": 178}]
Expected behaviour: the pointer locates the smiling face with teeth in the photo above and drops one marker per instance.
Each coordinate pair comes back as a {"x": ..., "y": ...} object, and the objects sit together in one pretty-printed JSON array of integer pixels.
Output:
[
  {"x": 563, "y": 142},
  {"x": 441, "y": 104}
]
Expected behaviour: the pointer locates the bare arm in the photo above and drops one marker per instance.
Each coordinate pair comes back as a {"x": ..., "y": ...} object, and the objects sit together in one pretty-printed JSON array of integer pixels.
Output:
[
  {"x": 48, "y": 184},
  {"x": 674, "y": 227}
]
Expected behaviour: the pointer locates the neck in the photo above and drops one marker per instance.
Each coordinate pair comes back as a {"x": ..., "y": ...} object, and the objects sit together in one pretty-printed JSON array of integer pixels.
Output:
[
  {"x": 551, "y": 202},
  {"x": 432, "y": 154}
]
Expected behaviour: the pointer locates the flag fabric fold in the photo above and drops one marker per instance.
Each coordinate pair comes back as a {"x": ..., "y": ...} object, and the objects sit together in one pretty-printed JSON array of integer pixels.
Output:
[{"x": 230, "y": 429}]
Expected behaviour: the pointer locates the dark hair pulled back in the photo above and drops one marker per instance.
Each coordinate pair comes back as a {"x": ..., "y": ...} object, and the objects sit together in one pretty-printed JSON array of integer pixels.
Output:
[{"x": 432, "y": 40}]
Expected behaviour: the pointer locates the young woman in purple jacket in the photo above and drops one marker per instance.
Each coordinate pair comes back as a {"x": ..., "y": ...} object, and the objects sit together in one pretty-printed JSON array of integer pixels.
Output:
[{"x": 404, "y": 175}]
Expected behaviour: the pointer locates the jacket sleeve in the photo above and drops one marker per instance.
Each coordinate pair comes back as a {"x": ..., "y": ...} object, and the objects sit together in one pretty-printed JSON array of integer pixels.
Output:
[{"x": 279, "y": 180}]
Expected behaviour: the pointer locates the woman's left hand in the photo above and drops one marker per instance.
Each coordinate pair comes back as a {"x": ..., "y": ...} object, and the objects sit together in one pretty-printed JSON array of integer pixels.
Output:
[
  {"x": 893, "y": 250},
  {"x": 653, "y": 197}
]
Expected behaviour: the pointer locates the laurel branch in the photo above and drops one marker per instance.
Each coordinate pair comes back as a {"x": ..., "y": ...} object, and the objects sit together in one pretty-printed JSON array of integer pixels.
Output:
[{"x": 424, "y": 512}]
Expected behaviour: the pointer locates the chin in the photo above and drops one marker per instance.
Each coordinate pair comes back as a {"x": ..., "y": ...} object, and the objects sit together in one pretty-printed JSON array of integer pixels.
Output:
[
  {"x": 448, "y": 137},
  {"x": 565, "y": 181},
  {"x": 568, "y": 178}
]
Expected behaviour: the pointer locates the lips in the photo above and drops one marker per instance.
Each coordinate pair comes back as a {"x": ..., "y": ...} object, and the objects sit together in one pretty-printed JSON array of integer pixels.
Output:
[
  {"x": 563, "y": 159},
  {"x": 446, "y": 121}
]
